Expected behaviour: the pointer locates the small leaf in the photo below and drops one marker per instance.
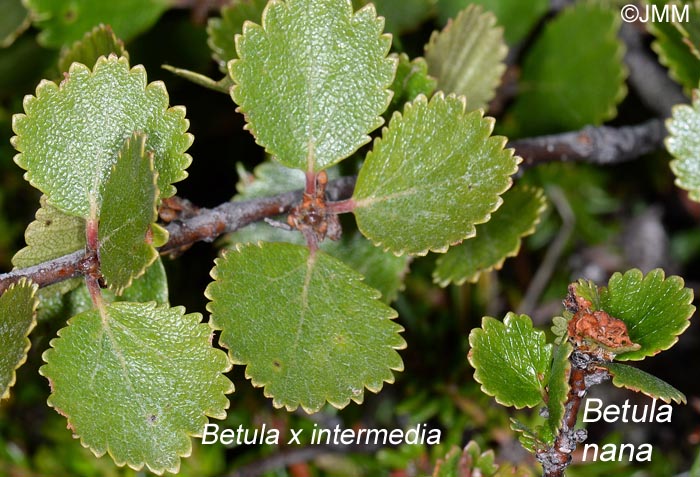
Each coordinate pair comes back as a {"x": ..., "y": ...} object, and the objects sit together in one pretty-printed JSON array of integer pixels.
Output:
[
  {"x": 305, "y": 326},
  {"x": 128, "y": 210},
  {"x": 466, "y": 462},
  {"x": 511, "y": 360},
  {"x": 684, "y": 144},
  {"x": 673, "y": 52},
  {"x": 222, "y": 30},
  {"x": 517, "y": 17},
  {"x": 467, "y": 56},
  {"x": 573, "y": 75},
  {"x": 637, "y": 380},
  {"x": 17, "y": 319},
  {"x": 411, "y": 80},
  {"x": 136, "y": 380},
  {"x": 432, "y": 176},
  {"x": 14, "y": 20},
  {"x": 313, "y": 80},
  {"x": 51, "y": 235},
  {"x": 79, "y": 126},
  {"x": 655, "y": 309},
  {"x": 100, "y": 41},
  {"x": 558, "y": 387},
  {"x": 495, "y": 240},
  {"x": 65, "y": 22}
]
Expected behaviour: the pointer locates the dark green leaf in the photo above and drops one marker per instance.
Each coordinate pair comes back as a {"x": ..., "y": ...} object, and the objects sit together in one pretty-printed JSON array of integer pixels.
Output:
[
  {"x": 558, "y": 387},
  {"x": 222, "y": 30},
  {"x": 511, "y": 360},
  {"x": 433, "y": 175},
  {"x": 14, "y": 20},
  {"x": 305, "y": 326}
]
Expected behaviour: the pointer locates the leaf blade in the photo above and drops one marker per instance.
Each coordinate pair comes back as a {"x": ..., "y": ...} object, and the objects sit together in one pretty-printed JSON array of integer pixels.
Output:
[
  {"x": 294, "y": 319},
  {"x": 637, "y": 380},
  {"x": 433, "y": 174},
  {"x": 511, "y": 360},
  {"x": 682, "y": 142},
  {"x": 313, "y": 80},
  {"x": 114, "y": 373}
]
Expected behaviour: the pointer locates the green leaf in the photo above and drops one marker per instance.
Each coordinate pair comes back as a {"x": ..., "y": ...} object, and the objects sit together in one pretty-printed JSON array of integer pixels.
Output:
[
  {"x": 14, "y": 20},
  {"x": 305, "y": 326},
  {"x": 313, "y": 80},
  {"x": 100, "y": 41},
  {"x": 495, "y": 240},
  {"x": 683, "y": 143},
  {"x": 432, "y": 176},
  {"x": 673, "y": 52},
  {"x": 135, "y": 380},
  {"x": 655, "y": 309},
  {"x": 411, "y": 80},
  {"x": 558, "y": 387},
  {"x": 65, "y": 22},
  {"x": 467, "y": 56},
  {"x": 511, "y": 360},
  {"x": 17, "y": 319},
  {"x": 573, "y": 75},
  {"x": 466, "y": 462},
  {"x": 53, "y": 234},
  {"x": 222, "y": 30},
  {"x": 79, "y": 127},
  {"x": 637, "y": 380},
  {"x": 517, "y": 17},
  {"x": 128, "y": 210}
]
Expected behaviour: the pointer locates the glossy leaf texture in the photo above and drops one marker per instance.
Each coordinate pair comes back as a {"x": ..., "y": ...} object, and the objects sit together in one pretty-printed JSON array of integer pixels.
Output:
[
  {"x": 100, "y": 41},
  {"x": 51, "y": 235},
  {"x": 128, "y": 212},
  {"x": 65, "y": 22},
  {"x": 496, "y": 240},
  {"x": 624, "y": 376},
  {"x": 411, "y": 80},
  {"x": 381, "y": 270},
  {"x": 683, "y": 143},
  {"x": 17, "y": 319},
  {"x": 558, "y": 387},
  {"x": 467, "y": 56},
  {"x": 518, "y": 18},
  {"x": 655, "y": 309},
  {"x": 305, "y": 326},
  {"x": 136, "y": 380},
  {"x": 673, "y": 49},
  {"x": 313, "y": 80},
  {"x": 511, "y": 360},
  {"x": 435, "y": 173},
  {"x": 70, "y": 134},
  {"x": 469, "y": 461},
  {"x": 573, "y": 75},
  {"x": 222, "y": 30}
]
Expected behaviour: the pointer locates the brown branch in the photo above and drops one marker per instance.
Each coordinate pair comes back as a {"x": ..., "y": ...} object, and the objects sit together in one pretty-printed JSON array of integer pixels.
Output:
[
  {"x": 603, "y": 145},
  {"x": 206, "y": 225}
]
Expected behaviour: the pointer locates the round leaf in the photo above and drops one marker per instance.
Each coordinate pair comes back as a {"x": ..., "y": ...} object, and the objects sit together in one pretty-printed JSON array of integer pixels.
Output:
[
  {"x": 637, "y": 380},
  {"x": 573, "y": 75},
  {"x": 313, "y": 80},
  {"x": 305, "y": 326},
  {"x": 654, "y": 308},
  {"x": 467, "y": 56},
  {"x": 432, "y": 176},
  {"x": 684, "y": 144},
  {"x": 64, "y": 22},
  {"x": 511, "y": 360},
  {"x": 17, "y": 318},
  {"x": 495, "y": 240},
  {"x": 70, "y": 134},
  {"x": 136, "y": 380},
  {"x": 129, "y": 209}
]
